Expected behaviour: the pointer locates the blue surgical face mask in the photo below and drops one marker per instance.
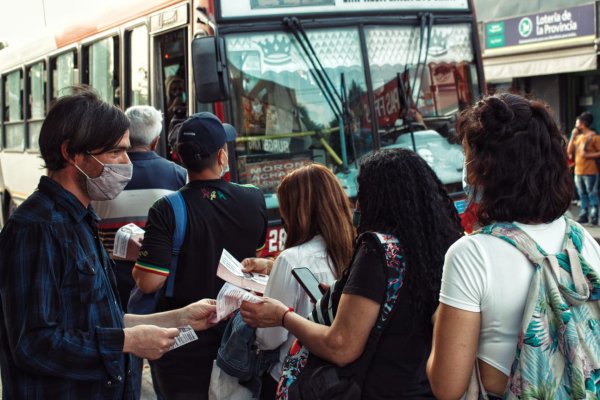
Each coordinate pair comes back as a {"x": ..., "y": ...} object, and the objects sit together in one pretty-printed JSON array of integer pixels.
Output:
[{"x": 468, "y": 188}]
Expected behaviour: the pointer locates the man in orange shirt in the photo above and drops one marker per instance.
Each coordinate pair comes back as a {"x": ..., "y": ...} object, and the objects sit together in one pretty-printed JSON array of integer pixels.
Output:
[{"x": 584, "y": 148}]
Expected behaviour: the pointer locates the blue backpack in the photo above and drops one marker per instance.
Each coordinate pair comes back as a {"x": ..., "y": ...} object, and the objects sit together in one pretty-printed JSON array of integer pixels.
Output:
[{"x": 146, "y": 303}]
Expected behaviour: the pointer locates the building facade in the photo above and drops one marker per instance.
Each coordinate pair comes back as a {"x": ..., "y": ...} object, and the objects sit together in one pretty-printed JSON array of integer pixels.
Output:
[{"x": 544, "y": 48}]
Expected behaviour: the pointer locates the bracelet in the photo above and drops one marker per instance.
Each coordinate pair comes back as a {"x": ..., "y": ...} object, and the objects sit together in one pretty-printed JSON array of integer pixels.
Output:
[{"x": 290, "y": 309}]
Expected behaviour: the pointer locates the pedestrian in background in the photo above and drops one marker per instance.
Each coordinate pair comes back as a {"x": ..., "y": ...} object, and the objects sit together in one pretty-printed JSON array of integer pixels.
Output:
[
  {"x": 152, "y": 178},
  {"x": 584, "y": 148},
  {"x": 400, "y": 197},
  {"x": 220, "y": 215},
  {"x": 63, "y": 333}
]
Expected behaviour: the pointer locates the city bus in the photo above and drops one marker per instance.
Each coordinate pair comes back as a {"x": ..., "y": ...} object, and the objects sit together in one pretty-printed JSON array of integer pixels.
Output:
[{"x": 302, "y": 81}]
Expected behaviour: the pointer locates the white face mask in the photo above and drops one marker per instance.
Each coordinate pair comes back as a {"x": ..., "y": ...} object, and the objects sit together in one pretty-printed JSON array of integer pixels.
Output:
[
  {"x": 225, "y": 169},
  {"x": 469, "y": 190},
  {"x": 110, "y": 183}
]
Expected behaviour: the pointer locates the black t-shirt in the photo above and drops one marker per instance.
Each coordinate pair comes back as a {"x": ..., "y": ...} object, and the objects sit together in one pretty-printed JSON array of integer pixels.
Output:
[
  {"x": 397, "y": 370},
  {"x": 220, "y": 215}
]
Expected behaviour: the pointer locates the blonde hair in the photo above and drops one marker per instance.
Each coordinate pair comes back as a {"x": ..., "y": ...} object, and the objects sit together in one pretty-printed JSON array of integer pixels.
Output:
[{"x": 312, "y": 202}]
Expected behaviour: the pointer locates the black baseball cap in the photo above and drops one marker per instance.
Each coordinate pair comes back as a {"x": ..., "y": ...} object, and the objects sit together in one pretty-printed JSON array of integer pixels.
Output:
[{"x": 206, "y": 131}]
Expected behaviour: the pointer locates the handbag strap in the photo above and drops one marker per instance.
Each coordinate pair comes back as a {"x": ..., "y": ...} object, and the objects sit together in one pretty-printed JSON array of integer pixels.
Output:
[
  {"x": 395, "y": 269},
  {"x": 177, "y": 203}
]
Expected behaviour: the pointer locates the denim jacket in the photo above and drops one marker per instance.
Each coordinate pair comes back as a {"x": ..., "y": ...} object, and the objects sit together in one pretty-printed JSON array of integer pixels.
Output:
[{"x": 238, "y": 356}]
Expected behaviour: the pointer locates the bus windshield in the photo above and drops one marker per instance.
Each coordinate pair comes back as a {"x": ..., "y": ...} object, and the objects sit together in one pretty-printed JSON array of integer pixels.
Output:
[
  {"x": 280, "y": 110},
  {"x": 435, "y": 87},
  {"x": 285, "y": 119}
]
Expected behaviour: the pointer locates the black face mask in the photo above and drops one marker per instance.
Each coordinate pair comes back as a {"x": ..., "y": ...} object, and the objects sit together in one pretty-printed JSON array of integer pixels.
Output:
[{"x": 356, "y": 218}]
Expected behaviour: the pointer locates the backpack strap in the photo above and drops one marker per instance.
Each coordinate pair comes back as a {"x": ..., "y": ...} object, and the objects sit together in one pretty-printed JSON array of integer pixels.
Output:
[
  {"x": 177, "y": 203},
  {"x": 569, "y": 259},
  {"x": 518, "y": 238},
  {"x": 395, "y": 270}
]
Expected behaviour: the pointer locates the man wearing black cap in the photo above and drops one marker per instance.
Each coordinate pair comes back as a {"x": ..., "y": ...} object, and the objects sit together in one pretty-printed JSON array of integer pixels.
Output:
[{"x": 220, "y": 215}]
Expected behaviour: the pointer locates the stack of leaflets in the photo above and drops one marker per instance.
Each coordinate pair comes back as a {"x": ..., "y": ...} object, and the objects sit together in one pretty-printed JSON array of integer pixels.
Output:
[
  {"x": 234, "y": 292},
  {"x": 128, "y": 241}
]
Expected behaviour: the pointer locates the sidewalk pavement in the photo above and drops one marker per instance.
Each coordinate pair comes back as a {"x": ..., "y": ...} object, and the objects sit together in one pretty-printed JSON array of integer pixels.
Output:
[
  {"x": 147, "y": 389},
  {"x": 594, "y": 230}
]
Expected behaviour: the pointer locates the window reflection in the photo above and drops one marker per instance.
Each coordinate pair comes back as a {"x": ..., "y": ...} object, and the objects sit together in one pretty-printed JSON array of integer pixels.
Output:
[
  {"x": 416, "y": 98},
  {"x": 13, "y": 113},
  {"x": 138, "y": 70},
  {"x": 439, "y": 89},
  {"x": 103, "y": 74},
  {"x": 280, "y": 109},
  {"x": 37, "y": 103},
  {"x": 63, "y": 74}
]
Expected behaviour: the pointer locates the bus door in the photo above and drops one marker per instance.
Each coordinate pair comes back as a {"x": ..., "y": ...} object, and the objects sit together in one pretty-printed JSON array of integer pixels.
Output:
[{"x": 171, "y": 82}]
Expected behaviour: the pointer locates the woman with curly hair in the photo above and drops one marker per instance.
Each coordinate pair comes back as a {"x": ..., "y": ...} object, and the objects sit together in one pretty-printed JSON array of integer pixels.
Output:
[
  {"x": 399, "y": 195},
  {"x": 516, "y": 161}
]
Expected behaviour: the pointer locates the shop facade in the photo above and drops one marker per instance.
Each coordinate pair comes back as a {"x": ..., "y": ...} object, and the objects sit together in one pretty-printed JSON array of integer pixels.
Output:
[{"x": 547, "y": 49}]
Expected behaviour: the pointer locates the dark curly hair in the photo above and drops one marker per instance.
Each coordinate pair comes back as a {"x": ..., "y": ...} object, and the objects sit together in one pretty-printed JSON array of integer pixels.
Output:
[
  {"x": 516, "y": 160},
  {"x": 400, "y": 194}
]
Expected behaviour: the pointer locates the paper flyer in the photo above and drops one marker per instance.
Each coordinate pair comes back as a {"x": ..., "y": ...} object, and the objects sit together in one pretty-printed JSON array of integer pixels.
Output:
[
  {"x": 231, "y": 270},
  {"x": 186, "y": 335},
  {"x": 122, "y": 237},
  {"x": 230, "y": 299}
]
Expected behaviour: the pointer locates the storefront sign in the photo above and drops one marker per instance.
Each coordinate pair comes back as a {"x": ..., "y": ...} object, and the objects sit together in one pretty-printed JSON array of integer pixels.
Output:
[
  {"x": 554, "y": 25},
  {"x": 255, "y": 8},
  {"x": 388, "y": 106}
]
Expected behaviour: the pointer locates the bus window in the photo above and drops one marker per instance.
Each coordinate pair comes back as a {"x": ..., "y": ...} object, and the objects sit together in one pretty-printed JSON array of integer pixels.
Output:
[
  {"x": 172, "y": 62},
  {"x": 173, "y": 69},
  {"x": 64, "y": 73},
  {"x": 281, "y": 111},
  {"x": 36, "y": 76},
  {"x": 438, "y": 89},
  {"x": 137, "y": 67},
  {"x": 422, "y": 96},
  {"x": 102, "y": 62},
  {"x": 13, "y": 111}
]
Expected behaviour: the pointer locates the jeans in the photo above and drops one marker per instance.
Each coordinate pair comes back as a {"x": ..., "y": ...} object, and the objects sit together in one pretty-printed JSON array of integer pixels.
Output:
[{"x": 587, "y": 189}]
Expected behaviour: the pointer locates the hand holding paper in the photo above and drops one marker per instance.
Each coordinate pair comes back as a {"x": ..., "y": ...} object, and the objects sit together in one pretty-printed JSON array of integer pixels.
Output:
[
  {"x": 230, "y": 298},
  {"x": 232, "y": 271},
  {"x": 128, "y": 241}
]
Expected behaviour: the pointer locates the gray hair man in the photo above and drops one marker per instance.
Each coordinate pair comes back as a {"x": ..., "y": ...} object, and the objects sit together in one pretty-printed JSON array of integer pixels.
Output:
[
  {"x": 153, "y": 177},
  {"x": 145, "y": 126}
]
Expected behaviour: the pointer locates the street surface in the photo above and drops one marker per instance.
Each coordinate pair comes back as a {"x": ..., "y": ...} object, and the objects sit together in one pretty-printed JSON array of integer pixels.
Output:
[{"x": 147, "y": 389}]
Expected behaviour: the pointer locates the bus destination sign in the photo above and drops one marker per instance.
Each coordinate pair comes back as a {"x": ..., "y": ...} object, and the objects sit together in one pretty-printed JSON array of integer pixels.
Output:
[{"x": 259, "y": 8}]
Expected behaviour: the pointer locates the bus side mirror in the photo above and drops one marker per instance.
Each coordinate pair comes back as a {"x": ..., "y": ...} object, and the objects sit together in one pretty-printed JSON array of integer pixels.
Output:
[{"x": 210, "y": 69}]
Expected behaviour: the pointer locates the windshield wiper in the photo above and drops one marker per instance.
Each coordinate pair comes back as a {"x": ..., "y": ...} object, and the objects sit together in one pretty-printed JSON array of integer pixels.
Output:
[
  {"x": 409, "y": 95},
  {"x": 337, "y": 102}
]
